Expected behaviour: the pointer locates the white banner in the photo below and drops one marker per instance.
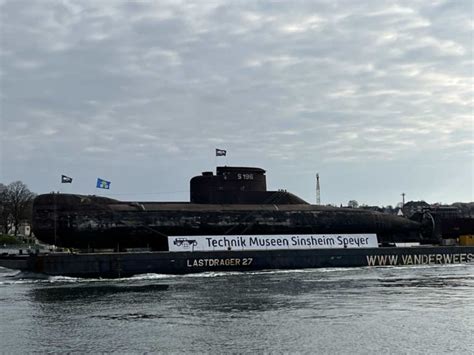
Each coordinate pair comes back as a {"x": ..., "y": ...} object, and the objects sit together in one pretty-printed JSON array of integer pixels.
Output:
[{"x": 271, "y": 242}]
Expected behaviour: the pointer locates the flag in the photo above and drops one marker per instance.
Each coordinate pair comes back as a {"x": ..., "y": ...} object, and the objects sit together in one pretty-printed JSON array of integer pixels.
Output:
[
  {"x": 221, "y": 152},
  {"x": 102, "y": 184},
  {"x": 66, "y": 179}
]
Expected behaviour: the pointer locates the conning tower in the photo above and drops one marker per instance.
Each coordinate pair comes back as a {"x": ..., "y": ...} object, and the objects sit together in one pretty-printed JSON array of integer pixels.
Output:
[{"x": 237, "y": 185}]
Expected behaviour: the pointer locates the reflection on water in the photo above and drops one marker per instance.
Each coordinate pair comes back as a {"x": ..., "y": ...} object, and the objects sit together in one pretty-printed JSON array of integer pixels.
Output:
[
  {"x": 89, "y": 292},
  {"x": 428, "y": 282},
  {"x": 356, "y": 310}
]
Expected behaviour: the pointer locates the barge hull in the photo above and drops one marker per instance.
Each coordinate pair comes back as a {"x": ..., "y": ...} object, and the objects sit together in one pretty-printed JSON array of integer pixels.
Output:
[{"x": 112, "y": 265}]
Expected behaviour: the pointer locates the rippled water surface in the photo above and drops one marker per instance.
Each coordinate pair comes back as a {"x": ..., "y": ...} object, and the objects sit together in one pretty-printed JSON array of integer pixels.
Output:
[{"x": 356, "y": 311}]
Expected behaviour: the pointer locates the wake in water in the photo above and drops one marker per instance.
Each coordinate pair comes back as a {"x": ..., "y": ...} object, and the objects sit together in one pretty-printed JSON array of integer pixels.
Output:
[{"x": 8, "y": 277}]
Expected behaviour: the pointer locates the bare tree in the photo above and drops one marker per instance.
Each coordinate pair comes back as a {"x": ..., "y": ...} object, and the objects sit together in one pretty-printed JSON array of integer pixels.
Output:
[
  {"x": 353, "y": 204},
  {"x": 16, "y": 204},
  {"x": 4, "y": 211}
]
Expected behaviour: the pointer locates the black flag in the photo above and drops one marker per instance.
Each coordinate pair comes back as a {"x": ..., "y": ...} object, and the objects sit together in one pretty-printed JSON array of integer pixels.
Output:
[
  {"x": 66, "y": 179},
  {"x": 221, "y": 152}
]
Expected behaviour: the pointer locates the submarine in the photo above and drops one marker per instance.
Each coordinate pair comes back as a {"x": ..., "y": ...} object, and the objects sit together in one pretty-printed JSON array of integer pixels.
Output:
[
  {"x": 231, "y": 223},
  {"x": 234, "y": 201}
]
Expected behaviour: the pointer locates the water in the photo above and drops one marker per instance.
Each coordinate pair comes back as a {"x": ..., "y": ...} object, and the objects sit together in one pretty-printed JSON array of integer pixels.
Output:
[{"x": 351, "y": 311}]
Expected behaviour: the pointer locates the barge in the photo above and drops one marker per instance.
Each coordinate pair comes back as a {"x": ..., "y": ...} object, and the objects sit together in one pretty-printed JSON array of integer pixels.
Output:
[{"x": 232, "y": 223}]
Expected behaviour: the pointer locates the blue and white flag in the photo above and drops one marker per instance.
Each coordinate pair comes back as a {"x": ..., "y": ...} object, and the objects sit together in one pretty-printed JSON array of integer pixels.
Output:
[{"x": 103, "y": 184}]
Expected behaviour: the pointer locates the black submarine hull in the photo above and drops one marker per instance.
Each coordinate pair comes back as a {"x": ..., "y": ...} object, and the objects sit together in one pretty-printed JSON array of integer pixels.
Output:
[
  {"x": 91, "y": 222},
  {"x": 114, "y": 265}
]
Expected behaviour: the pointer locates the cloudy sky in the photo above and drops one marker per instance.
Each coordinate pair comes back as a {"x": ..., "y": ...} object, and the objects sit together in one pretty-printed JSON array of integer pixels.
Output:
[{"x": 375, "y": 96}]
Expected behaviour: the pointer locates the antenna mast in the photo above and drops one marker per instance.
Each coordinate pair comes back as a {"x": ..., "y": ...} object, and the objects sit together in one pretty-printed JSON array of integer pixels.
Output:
[{"x": 318, "y": 191}]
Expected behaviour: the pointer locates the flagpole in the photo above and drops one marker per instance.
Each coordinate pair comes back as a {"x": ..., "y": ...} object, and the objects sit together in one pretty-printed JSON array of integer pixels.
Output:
[{"x": 55, "y": 217}]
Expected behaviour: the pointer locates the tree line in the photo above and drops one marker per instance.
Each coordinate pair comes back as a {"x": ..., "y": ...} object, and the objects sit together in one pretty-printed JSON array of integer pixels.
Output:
[{"x": 15, "y": 206}]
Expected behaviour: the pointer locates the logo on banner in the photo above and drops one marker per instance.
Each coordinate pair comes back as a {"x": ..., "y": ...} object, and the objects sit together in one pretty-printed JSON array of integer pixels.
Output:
[{"x": 185, "y": 243}]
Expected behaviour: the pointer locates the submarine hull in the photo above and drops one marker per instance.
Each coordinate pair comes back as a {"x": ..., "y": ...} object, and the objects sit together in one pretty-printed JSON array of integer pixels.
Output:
[{"x": 90, "y": 222}]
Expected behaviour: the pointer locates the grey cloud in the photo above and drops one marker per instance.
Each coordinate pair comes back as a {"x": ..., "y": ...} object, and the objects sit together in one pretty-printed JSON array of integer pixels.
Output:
[{"x": 288, "y": 85}]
